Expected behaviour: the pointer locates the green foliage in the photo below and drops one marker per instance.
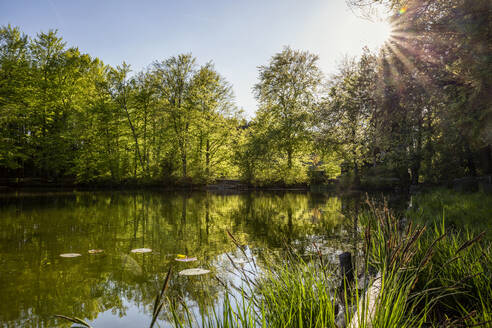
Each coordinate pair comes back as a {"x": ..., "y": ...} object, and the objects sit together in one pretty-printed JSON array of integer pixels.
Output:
[
  {"x": 13, "y": 77},
  {"x": 277, "y": 144},
  {"x": 345, "y": 118},
  {"x": 459, "y": 274},
  {"x": 287, "y": 92},
  {"x": 297, "y": 294},
  {"x": 65, "y": 115},
  {"x": 420, "y": 108}
]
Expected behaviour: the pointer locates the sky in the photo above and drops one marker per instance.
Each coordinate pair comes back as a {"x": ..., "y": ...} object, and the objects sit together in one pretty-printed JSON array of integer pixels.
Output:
[{"x": 236, "y": 35}]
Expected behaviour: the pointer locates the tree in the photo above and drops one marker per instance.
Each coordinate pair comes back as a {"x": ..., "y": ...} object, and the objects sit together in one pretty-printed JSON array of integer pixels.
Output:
[
  {"x": 176, "y": 76},
  {"x": 146, "y": 102},
  {"x": 99, "y": 130},
  {"x": 346, "y": 115},
  {"x": 64, "y": 114},
  {"x": 121, "y": 89},
  {"x": 58, "y": 81},
  {"x": 287, "y": 93},
  {"x": 14, "y": 79},
  {"x": 212, "y": 99},
  {"x": 440, "y": 52}
]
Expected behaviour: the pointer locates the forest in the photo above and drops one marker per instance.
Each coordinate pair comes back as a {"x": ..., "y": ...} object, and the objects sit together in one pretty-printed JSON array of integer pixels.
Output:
[{"x": 418, "y": 110}]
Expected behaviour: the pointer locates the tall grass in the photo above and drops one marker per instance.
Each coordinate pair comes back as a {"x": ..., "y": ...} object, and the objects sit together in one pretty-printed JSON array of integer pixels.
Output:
[
  {"x": 462, "y": 262},
  {"x": 295, "y": 293},
  {"x": 448, "y": 269},
  {"x": 233, "y": 314},
  {"x": 458, "y": 277}
]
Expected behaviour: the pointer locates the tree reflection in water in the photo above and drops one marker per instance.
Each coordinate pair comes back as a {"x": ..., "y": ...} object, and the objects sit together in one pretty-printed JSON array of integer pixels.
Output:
[{"x": 119, "y": 286}]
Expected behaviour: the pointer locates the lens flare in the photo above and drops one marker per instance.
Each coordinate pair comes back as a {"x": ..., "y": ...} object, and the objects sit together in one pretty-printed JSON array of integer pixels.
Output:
[{"x": 403, "y": 10}]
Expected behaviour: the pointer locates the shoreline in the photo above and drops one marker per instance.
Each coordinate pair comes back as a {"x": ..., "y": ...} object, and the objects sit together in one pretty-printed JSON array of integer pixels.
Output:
[{"x": 463, "y": 184}]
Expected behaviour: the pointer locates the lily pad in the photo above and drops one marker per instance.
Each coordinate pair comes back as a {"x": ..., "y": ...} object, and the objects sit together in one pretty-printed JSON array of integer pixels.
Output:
[
  {"x": 186, "y": 259},
  {"x": 70, "y": 255},
  {"x": 95, "y": 251},
  {"x": 141, "y": 250},
  {"x": 193, "y": 272}
]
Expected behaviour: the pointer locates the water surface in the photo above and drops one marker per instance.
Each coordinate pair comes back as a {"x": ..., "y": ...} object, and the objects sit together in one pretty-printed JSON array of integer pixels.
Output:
[{"x": 117, "y": 287}]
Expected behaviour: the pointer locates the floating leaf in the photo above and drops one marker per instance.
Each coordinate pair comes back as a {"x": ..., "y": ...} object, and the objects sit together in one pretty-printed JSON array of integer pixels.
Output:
[
  {"x": 70, "y": 255},
  {"x": 193, "y": 272},
  {"x": 186, "y": 259},
  {"x": 95, "y": 251},
  {"x": 141, "y": 250}
]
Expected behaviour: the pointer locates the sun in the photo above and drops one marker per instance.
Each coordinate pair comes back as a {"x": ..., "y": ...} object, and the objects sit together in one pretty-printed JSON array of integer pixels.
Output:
[{"x": 382, "y": 32}]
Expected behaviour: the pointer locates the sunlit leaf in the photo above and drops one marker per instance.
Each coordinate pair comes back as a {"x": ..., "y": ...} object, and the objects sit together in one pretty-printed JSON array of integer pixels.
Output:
[
  {"x": 141, "y": 250},
  {"x": 193, "y": 272},
  {"x": 70, "y": 255},
  {"x": 186, "y": 259}
]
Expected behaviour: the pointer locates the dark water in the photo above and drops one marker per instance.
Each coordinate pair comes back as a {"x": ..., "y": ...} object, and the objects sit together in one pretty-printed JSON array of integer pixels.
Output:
[{"x": 117, "y": 288}]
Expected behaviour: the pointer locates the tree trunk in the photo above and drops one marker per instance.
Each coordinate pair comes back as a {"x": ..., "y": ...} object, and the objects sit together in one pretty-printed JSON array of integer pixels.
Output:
[
  {"x": 207, "y": 215},
  {"x": 207, "y": 159},
  {"x": 414, "y": 171},
  {"x": 289, "y": 157},
  {"x": 183, "y": 163},
  {"x": 488, "y": 165},
  {"x": 356, "y": 174},
  {"x": 134, "y": 133},
  {"x": 145, "y": 146},
  {"x": 469, "y": 160},
  {"x": 417, "y": 157}
]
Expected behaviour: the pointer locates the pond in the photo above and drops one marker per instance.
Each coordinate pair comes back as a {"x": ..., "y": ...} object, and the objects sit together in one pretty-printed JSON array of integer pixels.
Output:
[{"x": 115, "y": 287}]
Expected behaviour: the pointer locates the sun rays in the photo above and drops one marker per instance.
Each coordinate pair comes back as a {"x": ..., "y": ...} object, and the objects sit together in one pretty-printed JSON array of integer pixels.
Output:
[{"x": 402, "y": 51}]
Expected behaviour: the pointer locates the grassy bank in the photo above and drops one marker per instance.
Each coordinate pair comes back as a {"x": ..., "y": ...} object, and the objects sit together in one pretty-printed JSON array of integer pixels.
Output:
[{"x": 470, "y": 211}]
